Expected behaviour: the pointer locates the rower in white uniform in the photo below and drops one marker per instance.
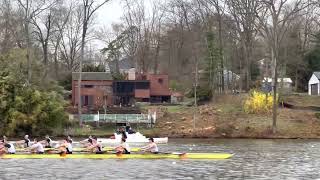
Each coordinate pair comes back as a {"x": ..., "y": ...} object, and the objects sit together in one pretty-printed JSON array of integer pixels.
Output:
[
  {"x": 66, "y": 146},
  {"x": 151, "y": 147},
  {"x": 95, "y": 146},
  {"x": 47, "y": 141},
  {"x": 7, "y": 147},
  {"x": 123, "y": 148},
  {"x": 26, "y": 141},
  {"x": 37, "y": 147}
]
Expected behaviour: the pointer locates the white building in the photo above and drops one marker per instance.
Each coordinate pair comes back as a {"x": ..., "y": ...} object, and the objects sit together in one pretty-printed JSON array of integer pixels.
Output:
[
  {"x": 313, "y": 85},
  {"x": 287, "y": 82},
  {"x": 284, "y": 84}
]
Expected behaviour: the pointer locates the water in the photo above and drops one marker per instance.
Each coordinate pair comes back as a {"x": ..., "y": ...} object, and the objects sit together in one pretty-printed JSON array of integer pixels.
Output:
[{"x": 253, "y": 159}]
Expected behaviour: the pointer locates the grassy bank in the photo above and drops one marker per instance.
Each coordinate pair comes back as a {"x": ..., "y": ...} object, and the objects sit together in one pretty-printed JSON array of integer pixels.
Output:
[{"x": 224, "y": 117}]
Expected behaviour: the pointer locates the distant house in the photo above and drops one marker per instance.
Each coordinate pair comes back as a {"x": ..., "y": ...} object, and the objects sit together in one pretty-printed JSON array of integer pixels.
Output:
[
  {"x": 96, "y": 89},
  {"x": 284, "y": 83},
  {"x": 230, "y": 78},
  {"x": 313, "y": 85},
  {"x": 153, "y": 88}
]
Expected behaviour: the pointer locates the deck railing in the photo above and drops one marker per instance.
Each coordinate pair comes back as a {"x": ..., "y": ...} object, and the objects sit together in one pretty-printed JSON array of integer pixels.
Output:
[{"x": 118, "y": 118}]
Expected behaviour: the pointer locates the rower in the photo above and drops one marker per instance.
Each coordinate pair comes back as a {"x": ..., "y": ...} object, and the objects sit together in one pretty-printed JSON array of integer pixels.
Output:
[
  {"x": 47, "y": 142},
  {"x": 151, "y": 147},
  {"x": 69, "y": 139},
  {"x": 95, "y": 146},
  {"x": 123, "y": 133},
  {"x": 37, "y": 147},
  {"x": 88, "y": 141},
  {"x": 7, "y": 147},
  {"x": 123, "y": 148},
  {"x": 26, "y": 141},
  {"x": 66, "y": 147}
]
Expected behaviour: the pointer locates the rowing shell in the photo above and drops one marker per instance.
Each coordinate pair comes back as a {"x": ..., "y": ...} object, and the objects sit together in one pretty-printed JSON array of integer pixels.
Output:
[
  {"x": 121, "y": 156},
  {"x": 80, "y": 149}
]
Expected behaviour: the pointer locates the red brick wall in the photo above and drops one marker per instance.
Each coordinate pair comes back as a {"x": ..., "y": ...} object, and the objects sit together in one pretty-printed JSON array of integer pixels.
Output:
[
  {"x": 159, "y": 84},
  {"x": 98, "y": 91},
  {"x": 142, "y": 93}
]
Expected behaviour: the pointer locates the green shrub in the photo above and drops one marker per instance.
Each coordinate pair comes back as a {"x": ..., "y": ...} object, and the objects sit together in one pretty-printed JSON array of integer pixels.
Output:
[{"x": 204, "y": 93}]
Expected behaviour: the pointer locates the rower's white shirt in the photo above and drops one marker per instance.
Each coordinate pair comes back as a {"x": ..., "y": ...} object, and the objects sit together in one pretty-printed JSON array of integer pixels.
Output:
[
  {"x": 38, "y": 147},
  {"x": 69, "y": 146},
  {"x": 153, "y": 147},
  {"x": 126, "y": 146},
  {"x": 11, "y": 149},
  {"x": 48, "y": 143}
]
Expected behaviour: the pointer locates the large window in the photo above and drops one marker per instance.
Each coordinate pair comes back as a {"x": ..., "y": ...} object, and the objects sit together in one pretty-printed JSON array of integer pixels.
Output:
[
  {"x": 87, "y": 86},
  {"x": 142, "y": 85},
  {"x": 87, "y": 100}
]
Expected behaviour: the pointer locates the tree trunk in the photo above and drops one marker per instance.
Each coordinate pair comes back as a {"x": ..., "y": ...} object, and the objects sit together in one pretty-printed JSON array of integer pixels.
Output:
[
  {"x": 156, "y": 59},
  {"x": 248, "y": 68},
  {"x": 195, "y": 96},
  {"x": 275, "y": 82},
  {"x": 29, "y": 66},
  {"x": 296, "y": 81},
  {"x": 84, "y": 32},
  {"x": 221, "y": 54}
]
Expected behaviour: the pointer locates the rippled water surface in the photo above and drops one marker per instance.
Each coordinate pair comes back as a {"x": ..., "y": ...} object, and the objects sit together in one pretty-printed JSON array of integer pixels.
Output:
[{"x": 253, "y": 159}]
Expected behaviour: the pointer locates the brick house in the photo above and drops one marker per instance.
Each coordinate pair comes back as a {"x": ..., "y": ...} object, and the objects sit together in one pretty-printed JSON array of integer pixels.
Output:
[
  {"x": 153, "y": 88},
  {"x": 159, "y": 88},
  {"x": 96, "y": 89}
]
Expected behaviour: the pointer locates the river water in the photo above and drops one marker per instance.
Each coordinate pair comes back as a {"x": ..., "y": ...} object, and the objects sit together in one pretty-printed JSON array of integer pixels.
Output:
[{"x": 253, "y": 159}]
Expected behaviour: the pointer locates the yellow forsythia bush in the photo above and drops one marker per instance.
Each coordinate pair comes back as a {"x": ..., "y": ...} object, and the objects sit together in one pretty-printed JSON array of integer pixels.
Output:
[{"x": 258, "y": 102}]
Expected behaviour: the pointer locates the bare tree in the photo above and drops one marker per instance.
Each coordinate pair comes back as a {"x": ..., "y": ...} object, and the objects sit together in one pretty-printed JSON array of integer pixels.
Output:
[
  {"x": 273, "y": 21},
  {"x": 89, "y": 7},
  {"x": 244, "y": 16},
  {"x": 70, "y": 37},
  {"x": 60, "y": 21},
  {"x": 43, "y": 35},
  {"x": 31, "y": 9}
]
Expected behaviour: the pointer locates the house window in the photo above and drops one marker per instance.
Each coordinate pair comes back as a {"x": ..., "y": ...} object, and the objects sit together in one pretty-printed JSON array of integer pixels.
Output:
[
  {"x": 87, "y": 100},
  {"x": 160, "y": 81},
  {"x": 87, "y": 86}
]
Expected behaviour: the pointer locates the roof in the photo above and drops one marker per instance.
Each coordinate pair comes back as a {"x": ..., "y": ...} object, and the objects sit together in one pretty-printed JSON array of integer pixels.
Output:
[
  {"x": 99, "y": 76},
  {"x": 317, "y": 74},
  {"x": 285, "y": 80}
]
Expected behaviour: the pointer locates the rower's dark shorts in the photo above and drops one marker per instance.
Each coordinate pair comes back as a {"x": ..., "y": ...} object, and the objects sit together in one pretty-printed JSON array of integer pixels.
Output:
[
  {"x": 40, "y": 152},
  {"x": 10, "y": 153},
  {"x": 47, "y": 147},
  {"x": 155, "y": 152},
  {"x": 69, "y": 152},
  {"x": 126, "y": 151},
  {"x": 99, "y": 152}
]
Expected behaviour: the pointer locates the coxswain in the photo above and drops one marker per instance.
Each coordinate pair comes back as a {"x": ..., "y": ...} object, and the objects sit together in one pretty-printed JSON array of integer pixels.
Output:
[
  {"x": 37, "y": 147},
  {"x": 151, "y": 147},
  {"x": 123, "y": 148},
  {"x": 66, "y": 147},
  {"x": 26, "y": 141}
]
